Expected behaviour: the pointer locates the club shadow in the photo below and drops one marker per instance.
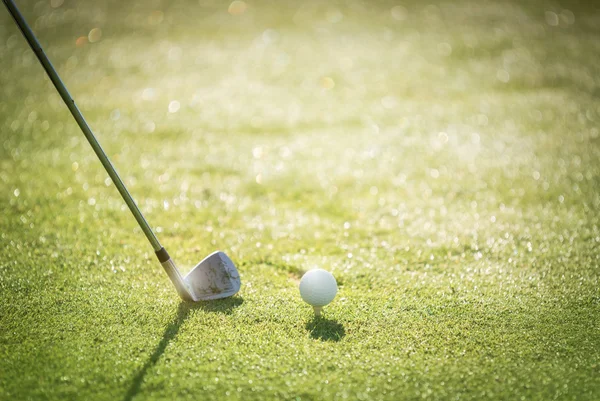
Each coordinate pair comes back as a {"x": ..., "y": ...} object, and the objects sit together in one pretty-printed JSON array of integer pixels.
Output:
[
  {"x": 225, "y": 306},
  {"x": 324, "y": 329}
]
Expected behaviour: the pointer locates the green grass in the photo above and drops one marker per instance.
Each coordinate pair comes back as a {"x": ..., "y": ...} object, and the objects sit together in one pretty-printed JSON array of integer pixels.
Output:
[{"x": 450, "y": 180}]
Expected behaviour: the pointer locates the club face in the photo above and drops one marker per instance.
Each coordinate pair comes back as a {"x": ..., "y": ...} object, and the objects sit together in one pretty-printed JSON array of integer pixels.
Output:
[{"x": 214, "y": 278}]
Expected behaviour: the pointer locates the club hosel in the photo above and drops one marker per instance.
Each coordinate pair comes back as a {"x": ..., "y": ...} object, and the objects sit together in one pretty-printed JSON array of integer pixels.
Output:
[{"x": 173, "y": 273}]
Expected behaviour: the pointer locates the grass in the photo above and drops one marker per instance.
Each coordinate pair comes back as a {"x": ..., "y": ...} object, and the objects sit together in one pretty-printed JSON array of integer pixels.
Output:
[{"x": 441, "y": 160}]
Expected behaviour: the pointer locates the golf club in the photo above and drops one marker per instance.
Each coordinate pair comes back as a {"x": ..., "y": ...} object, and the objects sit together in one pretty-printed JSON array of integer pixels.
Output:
[{"x": 214, "y": 277}]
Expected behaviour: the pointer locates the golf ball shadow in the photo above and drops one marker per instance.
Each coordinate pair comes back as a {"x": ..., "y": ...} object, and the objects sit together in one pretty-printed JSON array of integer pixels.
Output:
[{"x": 321, "y": 328}]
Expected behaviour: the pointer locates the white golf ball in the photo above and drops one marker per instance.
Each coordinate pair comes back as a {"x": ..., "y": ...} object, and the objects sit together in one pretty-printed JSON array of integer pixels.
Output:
[{"x": 318, "y": 287}]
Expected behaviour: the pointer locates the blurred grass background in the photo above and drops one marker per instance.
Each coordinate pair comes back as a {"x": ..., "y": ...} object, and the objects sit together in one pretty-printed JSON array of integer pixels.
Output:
[{"x": 440, "y": 159}]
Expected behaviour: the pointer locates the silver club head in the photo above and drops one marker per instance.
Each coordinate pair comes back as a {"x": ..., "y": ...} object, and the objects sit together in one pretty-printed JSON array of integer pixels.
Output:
[{"x": 214, "y": 278}]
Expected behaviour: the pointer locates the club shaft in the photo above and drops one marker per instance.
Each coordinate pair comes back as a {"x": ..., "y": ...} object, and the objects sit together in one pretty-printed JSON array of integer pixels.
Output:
[{"x": 64, "y": 94}]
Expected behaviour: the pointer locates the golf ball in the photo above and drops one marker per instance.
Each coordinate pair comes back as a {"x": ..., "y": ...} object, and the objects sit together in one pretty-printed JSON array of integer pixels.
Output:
[{"x": 318, "y": 287}]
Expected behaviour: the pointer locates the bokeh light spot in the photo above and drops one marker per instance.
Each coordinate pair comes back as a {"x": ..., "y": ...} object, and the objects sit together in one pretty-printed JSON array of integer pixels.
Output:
[
  {"x": 237, "y": 7},
  {"x": 551, "y": 18},
  {"x": 399, "y": 13},
  {"x": 81, "y": 41},
  {"x": 174, "y": 106},
  {"x": 156, "y": 17},
  {"x": 503, "y": 76},
  {"x": 95, "y": 35},
  {"x": 148, "y": 94},
  {"x": 327, "y": 83}
]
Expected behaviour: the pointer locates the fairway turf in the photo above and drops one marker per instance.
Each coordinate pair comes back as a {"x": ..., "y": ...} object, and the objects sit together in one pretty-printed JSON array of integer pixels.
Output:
[{"x": 441, "y": 160}]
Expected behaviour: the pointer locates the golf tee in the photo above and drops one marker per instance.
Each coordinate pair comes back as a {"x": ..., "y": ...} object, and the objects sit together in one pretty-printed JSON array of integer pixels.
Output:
[{"x": 317, "y": 310}]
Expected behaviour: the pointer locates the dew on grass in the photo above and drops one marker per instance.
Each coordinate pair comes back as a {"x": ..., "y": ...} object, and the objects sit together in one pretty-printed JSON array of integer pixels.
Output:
[{"x": 388, "y": 147}]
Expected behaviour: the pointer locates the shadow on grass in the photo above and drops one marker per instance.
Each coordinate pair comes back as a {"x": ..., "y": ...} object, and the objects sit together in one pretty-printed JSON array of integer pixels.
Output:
[
  {"x": 324, "y": 329},
  {"x": 225, "y": 306}
]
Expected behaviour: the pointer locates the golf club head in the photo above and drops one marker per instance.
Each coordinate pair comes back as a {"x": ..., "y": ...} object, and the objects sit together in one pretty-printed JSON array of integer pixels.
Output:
[{"x": 214, "y": 278}]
